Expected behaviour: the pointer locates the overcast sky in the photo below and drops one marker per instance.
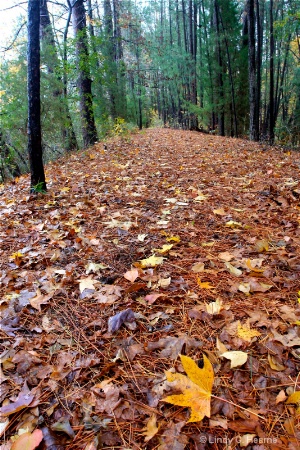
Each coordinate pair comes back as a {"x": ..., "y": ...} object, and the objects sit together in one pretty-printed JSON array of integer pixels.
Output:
[{"x": 9, "y": 19}]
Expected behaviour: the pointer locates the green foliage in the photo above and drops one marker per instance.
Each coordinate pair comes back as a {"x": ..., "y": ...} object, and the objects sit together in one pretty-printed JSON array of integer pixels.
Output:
[{"x": 39, "y": 188}]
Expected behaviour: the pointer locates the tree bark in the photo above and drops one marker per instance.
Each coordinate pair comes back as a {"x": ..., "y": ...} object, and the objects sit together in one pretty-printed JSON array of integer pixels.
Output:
[
  {"x": 89, "y": 132},
  {"x": 52, "y": 62},
  {"x": 271, "y": 99},
  {"x": 38, "y": 182},
  {"x": 253, "y": 131}
]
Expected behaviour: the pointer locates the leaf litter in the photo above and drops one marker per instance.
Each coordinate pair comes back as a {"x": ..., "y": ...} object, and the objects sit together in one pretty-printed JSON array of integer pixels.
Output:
[{"x": 151, "y": 249}]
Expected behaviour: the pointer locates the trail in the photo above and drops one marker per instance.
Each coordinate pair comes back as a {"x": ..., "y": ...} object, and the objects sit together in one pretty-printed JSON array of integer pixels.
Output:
[{"x": 206, "y": 231}]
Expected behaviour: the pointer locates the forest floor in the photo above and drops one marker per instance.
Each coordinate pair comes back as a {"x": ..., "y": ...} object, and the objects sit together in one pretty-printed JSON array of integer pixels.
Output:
[{"x": 144, "y": 248}]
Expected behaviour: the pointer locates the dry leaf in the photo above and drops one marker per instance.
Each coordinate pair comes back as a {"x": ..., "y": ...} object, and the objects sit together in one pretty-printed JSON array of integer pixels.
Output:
[
  {"x": 246, "y": 440},
  {"x": 233, "y": 224},
  {"x": 87, "y": 283},
  {"x": 294, "y": 399},
  {"x": 262, "y": 246},
  {"x": 28, "y": 441},
  {"x": 196, "y": 387},
  {"x": 274, "y": 363},
  {"x": 115, "y": 322},
  {"x": 281, "y": 397},
  {"x": 233, "y": 270},
  {"x": 204, "y": 284},
  {"x": 23, "y": 400},
  {"x": 131, "y": 275},
  {"x": 172, "y": 346},
  {"x": 214, "y": 307},
  {"x": 237, "y": 358},
  {"x": 93, "y": 267},
  {"x": 219, "y": 212},
  {"x": 198, "y": 267},
  {"x": 151, "y": 428},
  {"x": 165, "y": 249},
  {"x": 151, "y": 298},
  {"x": 226, "y": 256},
  {"x": 245, "y": 332},
  {"x": 152, "y": 261}
]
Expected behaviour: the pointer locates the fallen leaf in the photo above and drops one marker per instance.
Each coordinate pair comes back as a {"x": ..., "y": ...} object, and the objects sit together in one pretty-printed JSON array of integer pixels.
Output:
[
  {"x": 261, "y": 245},
  {"x": 233, "y": 270},
  {"x": 294, "y": 399},
  {"x": 173, "y": 438},
  {"x": 115, "y": 322},
  {"x": 204, "y": 284},
  {"x": 219, "y": 212},
  {"x": 214, "y": 307},
  {"x": 23, "y": 400},
  {"x": 196, "y": 387},
  {"x": 165, "y": 249},
  {"x": 246, "y": 440},
  {"x": 221, "y": 347},
  {"x": 28, "y": 441},
  {"x": 151, "y": 298},
  {"x": 251, "y": 266},
  {"x": 142, "y": 237},
  {"x": 245, "y": 332},
  {"x": 87, "y": 283},
  {"x": 172, "y": 346},
  {"x": 198, "y": 267},
  {"x": 237, "y": 358},
  {"x": 233, "y": 224},
  {"x": 40, "y": 299},
  {"x": 152, "y": 261},
  {"x": 274, "y": 363},
  {"x": 151, "y": 428},
  {"x": 226, "y": 256},
  {"x": 173, "y": 239},
  {"x": 281, "y": 397},
  {"x": 290, "y": 339},
  {"x": 131, "y": 275},
  {"x": 93, "y": 267}
]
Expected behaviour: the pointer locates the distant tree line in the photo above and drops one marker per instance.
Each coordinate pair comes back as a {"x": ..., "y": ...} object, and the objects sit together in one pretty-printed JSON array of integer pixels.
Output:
[{"x": 229, "y": 67}]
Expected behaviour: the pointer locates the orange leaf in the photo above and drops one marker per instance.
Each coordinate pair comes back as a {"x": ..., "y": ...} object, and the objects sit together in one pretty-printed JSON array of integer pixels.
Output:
[{"x": 28, "y": 441}]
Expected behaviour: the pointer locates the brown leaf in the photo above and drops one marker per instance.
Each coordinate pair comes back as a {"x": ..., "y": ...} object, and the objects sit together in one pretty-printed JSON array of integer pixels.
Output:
[
  {"x": 172, "y": 346},
  {"x": 23, "y": 400}
]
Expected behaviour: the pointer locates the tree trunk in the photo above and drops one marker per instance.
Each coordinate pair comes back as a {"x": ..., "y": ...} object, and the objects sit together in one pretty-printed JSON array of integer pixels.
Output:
[
  {"x": 271, "y": 99},
  {"x": 47, "y": 39},
  {"x": 89, "y": 132},
  {"x": 253, "y": 131},
  {"x": 221, "y": 115},
  {"x": 38, "y": 182}
]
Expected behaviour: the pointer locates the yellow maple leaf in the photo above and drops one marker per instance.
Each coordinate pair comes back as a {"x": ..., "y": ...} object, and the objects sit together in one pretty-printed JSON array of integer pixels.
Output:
[
  {"x": 295, "y": 399},
  {"x": 196, "y": 387},
  {"x": 152, "y": 261},
  {"x": 16, "y": 255},
  {"x": 245, "y": 332}
]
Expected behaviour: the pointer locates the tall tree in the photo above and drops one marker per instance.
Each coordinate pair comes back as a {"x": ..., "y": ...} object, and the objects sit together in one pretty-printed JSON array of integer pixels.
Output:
[
  {"x": 89, "y": 131},
  {"x": 272, "y": 55},
  {"x": 52, "y": 62},
  {"x": 35, "y": 152},
  {"x": 254, "y": 119}
]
